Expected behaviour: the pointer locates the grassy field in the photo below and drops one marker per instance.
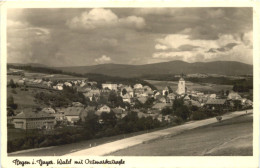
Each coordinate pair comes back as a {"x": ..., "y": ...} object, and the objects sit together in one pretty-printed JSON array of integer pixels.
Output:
[
  {"x": 25, "y": 99},
  {"x": 203, "y": 87},
  {"x": 228, "y": 138}
]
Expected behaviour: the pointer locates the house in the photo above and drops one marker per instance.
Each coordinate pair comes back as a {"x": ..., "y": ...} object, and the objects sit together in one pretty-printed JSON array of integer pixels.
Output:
[
  {"x": 109, "y": 86},
  {"x": 213, "y": 96},
  {"x": 167, "y": 90},
  {"x": 234, "y": 96},
  {"x": 129, "y": 90},
  {"x": 216, "y": 103},
  {"x": 160, "y": 106},
  {"x": 162, "y": 100},
  {"x": 186, "y": 98},
  {"x": 138, "y": 86},
  {"x": 49, "y": 83},
  {"x": 31, "y": 119},
  {"x": 77, "y": 104},
  {"x": 68, "y": 84},
  {"x": 83, "y": 84},
  {"x": 118, "y": 112},
  {"x": 72, "y": 113},
  {"x": 20, "y": 82},
  {"x": 195, "y": 103},
  {"x": 59, "y": 116},
  {"x": 48, "y": 110},
  {"x": 142, "y": 99},
  {"x": 127, "y": 98},
  {"x": 59, "y": 86},
  {"x": 91, "y": 93},
  {"x": 248, "y": 102},
  {"x": 141, "y": 114},
  {"x": 102, "y": 108},
  {"x": 147, "y": 88},
  {"x": 171, "y": 96},
  {"x": 144, "y": 94}
]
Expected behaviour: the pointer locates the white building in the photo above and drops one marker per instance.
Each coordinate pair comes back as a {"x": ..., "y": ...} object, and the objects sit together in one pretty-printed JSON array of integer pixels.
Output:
[
  {"x": 181, "y": 87},
  {"x": 138, "y": 86},
  {"x": 110, "y": 86}
]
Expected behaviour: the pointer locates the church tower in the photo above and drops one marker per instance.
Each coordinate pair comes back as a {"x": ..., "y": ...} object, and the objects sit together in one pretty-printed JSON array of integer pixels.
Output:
[{"x": 181, "y": 86}]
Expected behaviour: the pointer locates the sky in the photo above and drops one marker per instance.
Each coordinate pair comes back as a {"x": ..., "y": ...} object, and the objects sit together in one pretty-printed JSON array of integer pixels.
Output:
[{"x": 91, "y": 36}]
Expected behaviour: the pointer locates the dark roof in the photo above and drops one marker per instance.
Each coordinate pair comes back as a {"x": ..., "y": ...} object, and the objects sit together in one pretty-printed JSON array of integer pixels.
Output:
[
  {"x": 31, "y": 114},
  {"x": 73, "y": 111},
  {"x": 216, "y": 101}
]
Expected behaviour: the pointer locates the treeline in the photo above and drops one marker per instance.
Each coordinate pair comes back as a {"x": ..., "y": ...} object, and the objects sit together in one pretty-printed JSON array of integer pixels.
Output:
[
  {"x": 35, "y": 69},
  {"x": 243, "y": 86},
  {"x": 99, "y": 78}
]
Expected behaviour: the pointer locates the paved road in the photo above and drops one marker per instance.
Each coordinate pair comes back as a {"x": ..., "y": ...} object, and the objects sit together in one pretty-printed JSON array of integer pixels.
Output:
[{"x": 108, "y": 148}]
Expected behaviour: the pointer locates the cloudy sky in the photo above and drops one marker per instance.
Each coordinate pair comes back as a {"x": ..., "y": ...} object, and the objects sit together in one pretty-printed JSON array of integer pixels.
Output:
[{"x": 88, "y": 36}]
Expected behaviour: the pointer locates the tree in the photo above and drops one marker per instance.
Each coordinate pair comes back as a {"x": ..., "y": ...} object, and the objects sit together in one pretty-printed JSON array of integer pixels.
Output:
[
  {"x": 112, "y": 97},
  {"x": 10, "y": 112},
  {"x": 109, "y": 119},
  {"x": 124, "y": 91},
  {"x": 166, "y": 93},
  {"x": 12, "y": 84},
  {"x": 177, "y": 103},
  {"x": 237, "y": 104},
  {"x": 10, "y": 102},
  {"x": 227, "y": 92},
  {"x": 166, "y": 111},
  {"x": 149, "y": 102},
  {"x": 91, "y": 123},
  {"x": 222, "y": 92},
  {"x": 183, "y": 112}
]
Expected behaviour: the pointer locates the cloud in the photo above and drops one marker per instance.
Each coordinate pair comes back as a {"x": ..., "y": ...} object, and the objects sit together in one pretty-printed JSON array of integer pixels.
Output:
[
  {"x": 79, "y": 36},
  {"x": 187, "y": 47},
  {"x": 103, "y": 59},
  {"x": 161, "y": 47},
  {"x": 100, "y": 18},
  {"x": 225, "y": 48}
]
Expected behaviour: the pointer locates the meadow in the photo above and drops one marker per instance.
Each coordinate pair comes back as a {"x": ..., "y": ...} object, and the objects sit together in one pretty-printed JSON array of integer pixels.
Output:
[{"x": 203, "y": 87}]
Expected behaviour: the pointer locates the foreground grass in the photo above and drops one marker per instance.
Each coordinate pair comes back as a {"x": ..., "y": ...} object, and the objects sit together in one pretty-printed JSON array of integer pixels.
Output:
[{"x": 230, "y": 137}]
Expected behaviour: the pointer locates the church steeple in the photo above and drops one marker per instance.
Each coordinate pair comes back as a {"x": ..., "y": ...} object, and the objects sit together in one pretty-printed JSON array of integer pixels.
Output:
[{"x": 181, "y": 86}]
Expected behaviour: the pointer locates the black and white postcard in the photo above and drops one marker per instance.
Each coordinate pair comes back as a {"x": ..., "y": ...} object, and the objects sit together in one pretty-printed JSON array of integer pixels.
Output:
[{"x": 129, "y": 84}]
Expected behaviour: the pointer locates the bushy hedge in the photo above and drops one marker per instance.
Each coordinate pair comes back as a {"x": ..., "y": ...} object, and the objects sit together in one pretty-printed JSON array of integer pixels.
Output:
[{"x": 198, "y": 115}]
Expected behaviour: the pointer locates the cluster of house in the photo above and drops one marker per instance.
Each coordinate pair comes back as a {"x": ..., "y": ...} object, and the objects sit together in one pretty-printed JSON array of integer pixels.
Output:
[{"x": 47, "y": 117}]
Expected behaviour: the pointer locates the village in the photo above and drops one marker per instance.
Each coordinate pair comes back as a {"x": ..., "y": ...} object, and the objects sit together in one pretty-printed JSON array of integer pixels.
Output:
[{"x": 120, "y": 99}]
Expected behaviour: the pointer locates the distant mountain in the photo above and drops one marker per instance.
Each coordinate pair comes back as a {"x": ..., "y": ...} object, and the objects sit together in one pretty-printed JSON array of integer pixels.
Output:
[
  {"x": 172, "y": 67},
  {"x": 29, "y": 64}
]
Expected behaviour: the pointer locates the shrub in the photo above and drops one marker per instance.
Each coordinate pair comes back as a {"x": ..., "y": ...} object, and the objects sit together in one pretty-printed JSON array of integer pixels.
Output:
[
  {"x": 14, "y": 91},
  {"x": 198, "y": 115}
]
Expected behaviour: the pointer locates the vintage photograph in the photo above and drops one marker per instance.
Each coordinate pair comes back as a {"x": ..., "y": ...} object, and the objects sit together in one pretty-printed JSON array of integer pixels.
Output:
[{"x": 130, "y": 81}]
